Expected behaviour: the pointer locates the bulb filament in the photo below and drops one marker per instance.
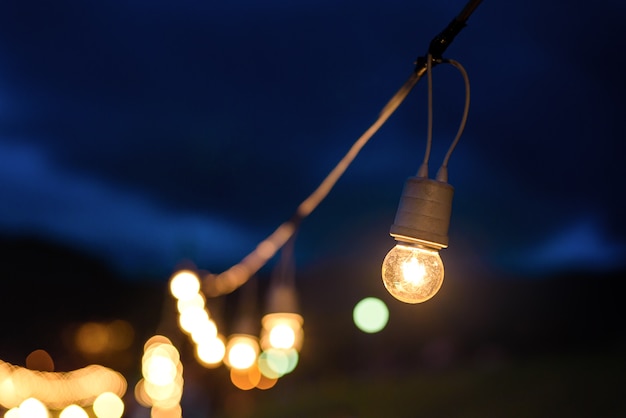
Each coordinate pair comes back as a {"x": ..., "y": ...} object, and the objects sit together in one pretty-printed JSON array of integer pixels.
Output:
[{"x": 413, "y": 272}]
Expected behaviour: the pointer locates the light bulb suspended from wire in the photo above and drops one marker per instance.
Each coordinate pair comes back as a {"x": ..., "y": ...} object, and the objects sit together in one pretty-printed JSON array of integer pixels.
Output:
[
  {"x": 234, "y": 277},
  {"x": 282, "y": 324},
  {"x": 413, "y": 271}
]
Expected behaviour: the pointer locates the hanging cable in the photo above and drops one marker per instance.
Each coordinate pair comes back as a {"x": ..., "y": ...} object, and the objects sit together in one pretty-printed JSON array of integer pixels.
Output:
[
  {"x": 442, "y": 174},
  {"x": 423, "y": 170},
  {"x": 237, "y": 275},
  {"x": 284, "y": 271}
]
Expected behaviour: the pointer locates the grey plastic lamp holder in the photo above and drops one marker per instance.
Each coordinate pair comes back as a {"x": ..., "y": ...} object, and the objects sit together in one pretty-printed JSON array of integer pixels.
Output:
[{"x": 423, "y": 214}]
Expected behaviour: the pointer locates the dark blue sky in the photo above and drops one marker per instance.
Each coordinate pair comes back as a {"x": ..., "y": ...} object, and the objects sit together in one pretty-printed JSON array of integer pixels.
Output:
[{"x": 149, "y": 132}]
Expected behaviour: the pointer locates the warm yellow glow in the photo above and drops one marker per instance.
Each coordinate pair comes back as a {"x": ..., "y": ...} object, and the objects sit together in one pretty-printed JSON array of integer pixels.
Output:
[
  {"x": 370, "y": 315},
  {"x": 184, "y": 285},
  {"x": 245, "y": 379},
  {"x": 165, "y": 396},
  {"x": 282, "y": 330},
  {"x": 204, "y": 333},
  {"x": 412, "y": 274},
  {"x": 156, "y": 340},
  {"x": 241, "y": 356},
  {"x": 12, "y": 413},
  {"x": 33, "y": 408},
  {"x": 108, "y": 405},
  {"x": 282, "y": 336},
  {"x": 73, "y": 411},
  {"x": 159, "y": 368},
  {"x": 192, "y": 318},
  {"x": 92, "y": 338},
  {"x": 196, "y": 301},
  {"x": 141, "y": 396},
  {"x": 242, "y": 351},
  {"x": 162, "y": 383},
  {"x": 174, "y": 412},
  {"x": 9, "y": 397},
  {"x": 266, "y": 383},
  {"x": 211, "y": 352},
  {"x": 57, "y": 390}
]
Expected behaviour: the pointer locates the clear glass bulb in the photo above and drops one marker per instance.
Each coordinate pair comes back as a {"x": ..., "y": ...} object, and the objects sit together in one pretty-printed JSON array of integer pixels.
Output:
[{"x": 412, "y": 273}]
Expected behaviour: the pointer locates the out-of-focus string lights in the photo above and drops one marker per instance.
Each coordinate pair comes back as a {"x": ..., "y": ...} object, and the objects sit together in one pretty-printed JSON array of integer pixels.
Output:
[
  {"x": 31, "y": 393},
  {"x": 194, "y": 319},
  {"x": 254, "y": 361},
  {"x": 161, "y": 387}
]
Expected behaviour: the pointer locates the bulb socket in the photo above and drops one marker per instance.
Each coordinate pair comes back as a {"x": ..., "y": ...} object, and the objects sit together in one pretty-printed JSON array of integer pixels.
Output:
[
  {"x": 282, "y": 298},
  {"x": 423, "y": 214}
]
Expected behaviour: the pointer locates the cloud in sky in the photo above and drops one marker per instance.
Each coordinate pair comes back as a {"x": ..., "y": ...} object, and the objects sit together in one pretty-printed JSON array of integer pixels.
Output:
[
  {"x": 144, "y": 130},
  {"x": 583, "y": 245},
  {"x": 138, "y": 234}
]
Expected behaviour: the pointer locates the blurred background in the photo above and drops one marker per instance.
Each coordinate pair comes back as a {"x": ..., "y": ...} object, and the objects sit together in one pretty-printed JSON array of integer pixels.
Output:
[{"x": 137, "y": 138}]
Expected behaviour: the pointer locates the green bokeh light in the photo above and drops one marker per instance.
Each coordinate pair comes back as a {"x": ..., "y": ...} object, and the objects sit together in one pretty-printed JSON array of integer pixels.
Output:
[{"x": 370, "y": 315}]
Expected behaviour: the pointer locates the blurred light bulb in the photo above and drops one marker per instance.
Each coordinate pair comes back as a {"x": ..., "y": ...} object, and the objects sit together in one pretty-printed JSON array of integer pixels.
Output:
[
  {"x": 282, "y": 330},
  {"x": 242, "y": 351},
  {"x": 412, "y": 273},
  {"x": 282, "y": 336}
]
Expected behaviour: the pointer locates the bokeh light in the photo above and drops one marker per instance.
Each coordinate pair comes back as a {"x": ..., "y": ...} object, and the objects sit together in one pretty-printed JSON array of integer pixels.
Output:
[
  {"x": 159, "y": 365},
  {"x": 40, "y": 360},
  {"x": 196, "y": 301},
  {"x": 245, "y": 379},
  {"x": 108, "y": 405},
  {"x": 73, "y": 411},
  {"x": 192, "y": 318},
  {"x": 184, "y": 285},
  {"x": 275, "y": 363},
  {"x": 205, "y": 333},
  {"x": 12, "y": 413},
  {"x": 282, "y": 330},
  {"x": 266, "y": 383},
  {"x": 211, "y": 352},
  {"x": 174, "y": 412},
  {"x": 57, "y": 390},
  {"x": 282, "y": 336},
  {"x": 162, "y": 383},
  {"x": 33, "y": 408},
  {"x": 93, "y": 338},
  {"x": 242, "y": 351},
  {"x": 370, "y": 315}
]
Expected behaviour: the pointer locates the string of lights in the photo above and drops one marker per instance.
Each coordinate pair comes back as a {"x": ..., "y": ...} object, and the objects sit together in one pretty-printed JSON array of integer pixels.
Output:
[{"x": 412, "y": 271}]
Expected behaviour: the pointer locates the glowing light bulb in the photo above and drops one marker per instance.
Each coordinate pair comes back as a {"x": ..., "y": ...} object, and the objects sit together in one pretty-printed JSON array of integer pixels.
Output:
[
  {"x": 412, "y": 274},
  {"x": 282, "y": 330},
  {"x": 242, "y": 351},
  {"x": 413, "y": 271}
]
